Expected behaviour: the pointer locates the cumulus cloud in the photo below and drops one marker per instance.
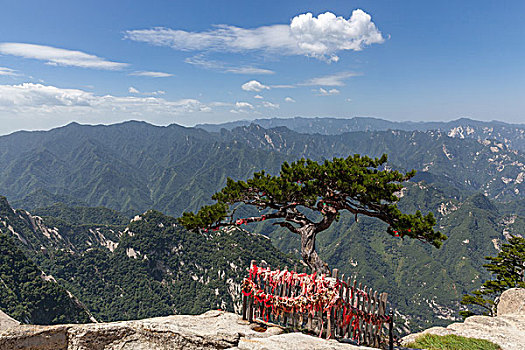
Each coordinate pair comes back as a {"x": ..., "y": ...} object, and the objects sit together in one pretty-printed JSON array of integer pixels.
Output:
[
  {"x": 289, "y": 99},
  {"x": 254, "y": 85},
  {"x": 151, "y": 74},
  {"x": 320, "y": 37},
  {"x": 243, "y": 105},
  {"x": 331, "y": 80},
  {"x": 270, "y": 105},
  {"x": 132, "y": 90},
  {"x": 38, "y": 99},
  {"x": 258, "y": 97},
  {"x": 324, "y": 92},
  {"x": 327, "y": 34},
  {"x": 59, "y": 57},
  {"x": 7, "y": 71}
]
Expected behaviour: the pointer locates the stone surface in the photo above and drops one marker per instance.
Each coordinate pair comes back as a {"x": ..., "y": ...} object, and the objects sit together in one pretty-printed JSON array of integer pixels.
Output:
[
  {"x": 512, "y": 302},
  {"x": 293, "y": 341},
  {"x": 211, "y": 330},
  {"x": 506, "y": 331},
  {"x": 6, "y": 321}
]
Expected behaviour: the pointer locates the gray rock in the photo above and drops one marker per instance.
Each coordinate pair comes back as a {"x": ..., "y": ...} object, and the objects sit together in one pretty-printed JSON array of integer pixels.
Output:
[
  {"x": 506, "y": 331},
  {"x": 211, "y": 330},
  {"x": 512, "y": 302},
  {"x": 293, "y": 341},
  {"x": 6, "y": 321}
]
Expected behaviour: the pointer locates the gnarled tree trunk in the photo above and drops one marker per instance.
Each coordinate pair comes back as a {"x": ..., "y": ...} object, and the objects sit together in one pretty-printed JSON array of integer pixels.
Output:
[{"x": 310, "y": 257}]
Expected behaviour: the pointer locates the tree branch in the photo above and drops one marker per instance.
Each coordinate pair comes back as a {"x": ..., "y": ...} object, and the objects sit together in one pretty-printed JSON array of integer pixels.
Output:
[{"x": 287, "y": 225}]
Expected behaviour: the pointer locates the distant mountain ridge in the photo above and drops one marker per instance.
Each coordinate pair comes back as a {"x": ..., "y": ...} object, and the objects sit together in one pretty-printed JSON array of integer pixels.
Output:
[{"x": 513, "y": 135}]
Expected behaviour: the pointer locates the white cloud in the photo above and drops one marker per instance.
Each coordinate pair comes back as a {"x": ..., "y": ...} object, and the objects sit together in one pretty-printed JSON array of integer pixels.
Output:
[
  {"x": 243, "y": 105},
  {"x": 258, "y": 97},
  {"x": 327, "y": 34},
  {"x": 283, "y": 86},
  {"x": 132, "y": 90},
  {"x": 270, "y": 105},
  {"x": 249, "y": 70},
  {"x": 289, "y": 99},
  {"x": 220, "y": 104},
  {"x": 59, "y": 57},
  {"x": 324, "y": 92},
  {"x": 7, "y": 71},
  {"x": 254, "y": 85},
  {"x": 201, "y": 61},
  {"x": 331, "y": 80},
  {"x": 151, "y": 74},
  {"x": 320, "y": 37},
  {"x": 38, "y": 100}
]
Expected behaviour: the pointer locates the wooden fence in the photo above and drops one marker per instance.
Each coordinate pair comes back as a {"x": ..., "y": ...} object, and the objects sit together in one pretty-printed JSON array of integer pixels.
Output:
[{"x": 329, "y": 307}]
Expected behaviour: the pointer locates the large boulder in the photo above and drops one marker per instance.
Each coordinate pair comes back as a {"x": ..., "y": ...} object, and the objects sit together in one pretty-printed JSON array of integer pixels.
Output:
[{"x": 512, "y": 302}]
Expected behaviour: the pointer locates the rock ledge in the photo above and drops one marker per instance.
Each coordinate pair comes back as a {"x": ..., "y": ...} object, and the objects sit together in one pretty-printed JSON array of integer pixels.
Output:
[
  {"x": 507, "y": 329},
  {"x": 211, "y": 330}
]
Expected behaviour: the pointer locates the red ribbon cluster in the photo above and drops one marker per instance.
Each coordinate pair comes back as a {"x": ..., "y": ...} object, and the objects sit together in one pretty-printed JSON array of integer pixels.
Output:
[{"x": 312, "y": 293}]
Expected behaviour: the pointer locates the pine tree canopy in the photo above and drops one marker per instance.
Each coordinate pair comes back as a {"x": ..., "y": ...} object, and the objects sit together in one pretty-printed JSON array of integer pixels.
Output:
[{"x": 355, "y": 184}]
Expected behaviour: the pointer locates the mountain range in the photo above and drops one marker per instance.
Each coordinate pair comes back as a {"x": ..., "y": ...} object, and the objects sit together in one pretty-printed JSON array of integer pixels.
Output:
[
  {"x": 470, "y": 174},
  {"x": 134, "y": 166}
]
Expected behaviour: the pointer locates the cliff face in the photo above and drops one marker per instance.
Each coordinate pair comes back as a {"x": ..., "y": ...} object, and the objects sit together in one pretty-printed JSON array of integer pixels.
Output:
[
  {"x": 211, "y": 330},
  {"x": 507, "y": 329}
]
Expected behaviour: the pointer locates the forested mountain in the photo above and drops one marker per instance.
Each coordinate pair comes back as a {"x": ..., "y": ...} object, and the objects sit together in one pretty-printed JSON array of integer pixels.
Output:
[
  {"x": 26, "y": 292},
  {"x": 474, "y": 185},
  {"x": 132, "y": 167},
  {"x": 147, "y": 267}
]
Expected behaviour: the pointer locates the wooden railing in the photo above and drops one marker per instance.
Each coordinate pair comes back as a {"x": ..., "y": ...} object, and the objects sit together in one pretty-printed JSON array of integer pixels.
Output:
[{"x": 329, "y": 307}]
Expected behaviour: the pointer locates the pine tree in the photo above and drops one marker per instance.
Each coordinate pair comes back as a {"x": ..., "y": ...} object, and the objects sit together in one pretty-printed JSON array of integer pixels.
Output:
[
  {"x": 508, "y": 268},
  {"x": 305, "y": 188}
]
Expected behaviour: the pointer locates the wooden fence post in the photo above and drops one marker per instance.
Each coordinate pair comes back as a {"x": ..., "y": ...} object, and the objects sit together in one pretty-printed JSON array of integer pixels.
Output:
[
  {"x": 391, "y": 331},
  {"x": 250, "y": 298},
  {"x": 244, "y": 307}
]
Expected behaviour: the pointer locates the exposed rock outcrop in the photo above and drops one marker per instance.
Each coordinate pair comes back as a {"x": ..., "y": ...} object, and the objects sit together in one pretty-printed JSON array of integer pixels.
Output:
[
  {"x": 507, "y": 329},
  {"x": 211, "y": 330},
  {"x": 512, "y": 302}
]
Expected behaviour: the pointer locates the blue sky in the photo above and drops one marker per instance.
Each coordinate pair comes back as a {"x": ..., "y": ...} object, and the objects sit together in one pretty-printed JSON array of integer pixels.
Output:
[{"x": 190, "y": 62}]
